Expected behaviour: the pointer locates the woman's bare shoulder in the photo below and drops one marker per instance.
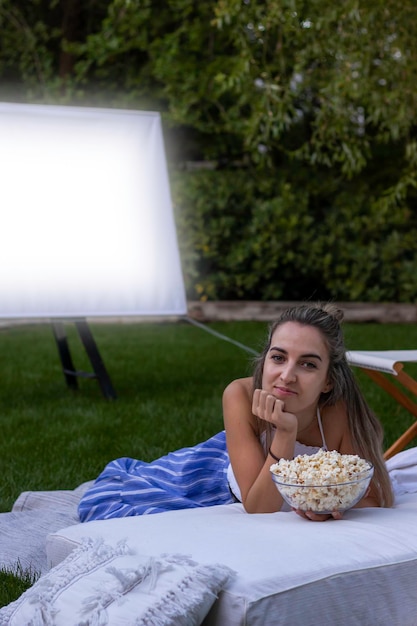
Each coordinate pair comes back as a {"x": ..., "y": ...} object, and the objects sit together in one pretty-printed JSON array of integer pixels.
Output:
[
  {"x": 239, "y": 387},
  {"x": 237, "y": 408}
]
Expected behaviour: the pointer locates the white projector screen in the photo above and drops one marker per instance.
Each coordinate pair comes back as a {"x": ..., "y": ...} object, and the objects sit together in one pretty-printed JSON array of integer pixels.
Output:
[{"x": 87, "y": 225}]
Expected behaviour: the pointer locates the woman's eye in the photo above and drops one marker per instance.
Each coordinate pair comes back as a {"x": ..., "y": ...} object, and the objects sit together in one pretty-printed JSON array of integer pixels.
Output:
[
  {"x": 278, "y": 358},
  {"x": 309, "y": 365}
]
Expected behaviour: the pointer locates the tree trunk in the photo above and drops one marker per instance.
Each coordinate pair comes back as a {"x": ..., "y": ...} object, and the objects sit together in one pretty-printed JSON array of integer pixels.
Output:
[{"x": 71, "y": 24}]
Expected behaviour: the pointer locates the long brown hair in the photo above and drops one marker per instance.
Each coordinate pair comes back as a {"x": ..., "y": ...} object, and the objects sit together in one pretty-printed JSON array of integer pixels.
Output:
[{"x": 366, "y": 429}]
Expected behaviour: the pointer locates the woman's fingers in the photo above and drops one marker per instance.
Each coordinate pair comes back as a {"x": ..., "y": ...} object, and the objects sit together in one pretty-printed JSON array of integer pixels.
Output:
[
  {"x": 270, "y": 403},
  {"x": 317, "y": 517},
  {"x": 255, "y": 401},
  {"x": 264, "y": 404}
]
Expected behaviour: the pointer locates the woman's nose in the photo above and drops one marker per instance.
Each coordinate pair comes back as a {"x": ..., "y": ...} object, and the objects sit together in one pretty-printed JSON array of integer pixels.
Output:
[{"x": 288, "y": 373}]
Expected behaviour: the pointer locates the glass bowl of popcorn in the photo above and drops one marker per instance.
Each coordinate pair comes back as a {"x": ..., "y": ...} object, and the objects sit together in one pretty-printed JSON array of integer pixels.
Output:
[{"x": 324, "y": 482}]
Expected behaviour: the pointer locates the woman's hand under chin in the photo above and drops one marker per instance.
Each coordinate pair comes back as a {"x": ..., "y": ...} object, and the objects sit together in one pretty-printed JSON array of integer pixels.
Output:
[
  {"x": 271, "y": 409},
  {"x": 317, "y": 517}
]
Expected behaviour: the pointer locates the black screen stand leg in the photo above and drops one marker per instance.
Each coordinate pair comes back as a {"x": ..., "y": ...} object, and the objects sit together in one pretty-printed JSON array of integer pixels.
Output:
[
  {"x": 95, "y": 359},
  {"x": 70, "y": 373},
  {"x": 65, "y": 354}
]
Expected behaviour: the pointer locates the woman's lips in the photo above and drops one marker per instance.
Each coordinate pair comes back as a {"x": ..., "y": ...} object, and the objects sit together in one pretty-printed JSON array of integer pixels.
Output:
[{"x": 284, "y": 391}]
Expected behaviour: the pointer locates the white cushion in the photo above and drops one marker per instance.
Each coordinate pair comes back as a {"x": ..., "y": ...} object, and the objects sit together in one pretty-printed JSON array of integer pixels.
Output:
[
  {"x": 358, "y": 570},
  {"x": 102, "y": 584}
]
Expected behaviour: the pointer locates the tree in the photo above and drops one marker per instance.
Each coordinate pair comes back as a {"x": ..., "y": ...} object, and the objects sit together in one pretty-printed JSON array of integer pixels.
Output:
[
  {"x": 317, "y": 82},
  {"x": 307, "y": 108},
  {"x": 331, "y": 82}
]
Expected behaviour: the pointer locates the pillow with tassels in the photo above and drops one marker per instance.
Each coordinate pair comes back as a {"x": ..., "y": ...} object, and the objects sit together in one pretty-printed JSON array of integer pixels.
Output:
[{"x": 99, "y": 584}]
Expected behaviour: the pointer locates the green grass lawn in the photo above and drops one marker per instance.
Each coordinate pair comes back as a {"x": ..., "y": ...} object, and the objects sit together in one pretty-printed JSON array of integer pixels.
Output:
[{"x": 169, "y": 379}]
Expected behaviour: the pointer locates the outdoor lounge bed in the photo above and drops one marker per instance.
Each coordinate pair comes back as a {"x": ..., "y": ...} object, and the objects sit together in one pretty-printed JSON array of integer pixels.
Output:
[{"x": 251, "y": 570}]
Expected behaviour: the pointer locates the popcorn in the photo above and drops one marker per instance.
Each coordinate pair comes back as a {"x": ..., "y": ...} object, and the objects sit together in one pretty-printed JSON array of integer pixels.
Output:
[{"x": 322, "y": 482}]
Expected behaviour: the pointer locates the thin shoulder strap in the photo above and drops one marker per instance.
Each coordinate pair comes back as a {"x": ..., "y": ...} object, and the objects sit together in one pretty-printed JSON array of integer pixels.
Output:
[{"x": 321, "y": 429}]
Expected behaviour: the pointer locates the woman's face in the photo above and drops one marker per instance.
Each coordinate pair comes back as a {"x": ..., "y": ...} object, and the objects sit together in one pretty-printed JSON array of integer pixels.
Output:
[{"x": 296, "y": 367}]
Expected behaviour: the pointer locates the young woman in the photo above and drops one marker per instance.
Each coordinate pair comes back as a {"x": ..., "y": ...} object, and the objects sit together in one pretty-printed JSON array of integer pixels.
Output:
[{"x": 302, "y": 397}]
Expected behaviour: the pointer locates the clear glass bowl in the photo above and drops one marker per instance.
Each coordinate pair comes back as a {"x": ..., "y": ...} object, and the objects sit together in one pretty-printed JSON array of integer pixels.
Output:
[{"x": 325, "y": 499}]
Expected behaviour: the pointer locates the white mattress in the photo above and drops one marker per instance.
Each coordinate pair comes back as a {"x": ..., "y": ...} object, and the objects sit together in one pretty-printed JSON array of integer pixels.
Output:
[{"x": 359, "y": 570}]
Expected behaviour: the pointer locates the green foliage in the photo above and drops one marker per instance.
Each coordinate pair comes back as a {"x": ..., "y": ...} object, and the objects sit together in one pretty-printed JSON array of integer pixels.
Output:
[
  {"x": 345, "y": 69},
  {"x": 306, "y": 107},
  {"x": 269, "y": 236},
  {"x": 24, "y": 45}
]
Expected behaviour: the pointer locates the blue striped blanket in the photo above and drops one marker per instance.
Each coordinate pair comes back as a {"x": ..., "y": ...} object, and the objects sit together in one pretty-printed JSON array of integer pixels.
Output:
[{"x": 187, "y": 478}]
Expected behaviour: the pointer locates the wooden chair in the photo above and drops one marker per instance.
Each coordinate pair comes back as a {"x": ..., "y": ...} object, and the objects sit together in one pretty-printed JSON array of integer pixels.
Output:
[{"x": 380, "y": 366}]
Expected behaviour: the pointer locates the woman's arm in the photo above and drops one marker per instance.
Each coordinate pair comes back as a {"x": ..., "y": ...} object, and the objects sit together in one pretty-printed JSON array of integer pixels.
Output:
[{"x": 250, "y": 467}]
